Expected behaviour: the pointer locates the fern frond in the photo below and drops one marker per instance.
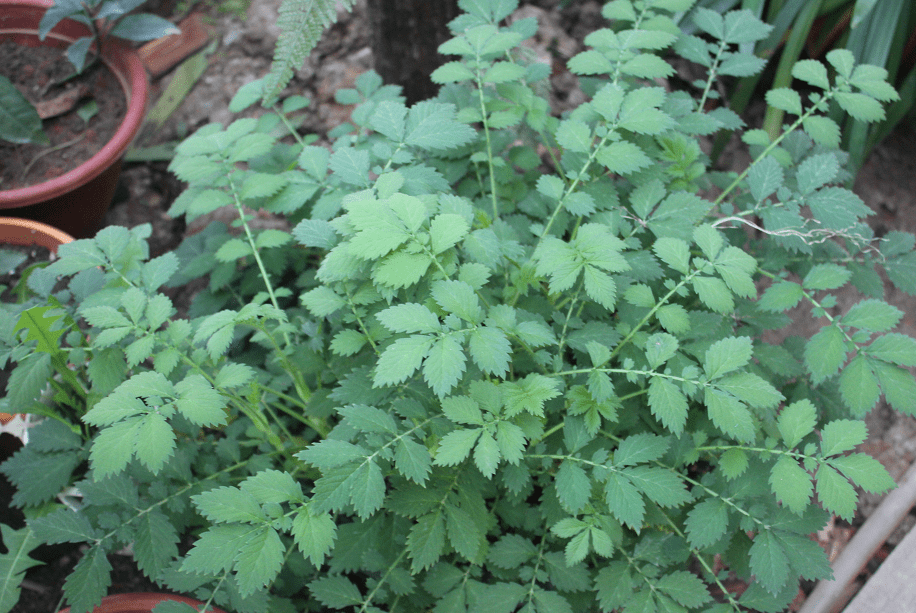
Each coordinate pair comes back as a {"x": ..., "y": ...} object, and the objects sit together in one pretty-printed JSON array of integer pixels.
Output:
[{"x": 301, "y": 24}]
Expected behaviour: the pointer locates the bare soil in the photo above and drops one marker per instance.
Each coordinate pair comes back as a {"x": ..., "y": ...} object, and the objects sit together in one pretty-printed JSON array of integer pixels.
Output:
[
  {"x": 243, "y": 50},
  {"x": 45, "y": 77}
]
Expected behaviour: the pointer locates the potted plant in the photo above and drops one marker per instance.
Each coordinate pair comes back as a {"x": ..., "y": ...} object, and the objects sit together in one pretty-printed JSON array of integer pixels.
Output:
[
  {"x": 504, "y": 361},
  {"x": 76, "y": 199},
  {"x": 26, "y": 233}
]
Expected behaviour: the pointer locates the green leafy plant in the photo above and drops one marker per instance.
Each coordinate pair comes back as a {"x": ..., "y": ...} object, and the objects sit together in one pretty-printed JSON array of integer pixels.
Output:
[
  {"x": 19, "y": 121},
  {"x": 502, "y": 361},
  {"x": 104, "y": 18},
  {"x": 877, "y": 32}
]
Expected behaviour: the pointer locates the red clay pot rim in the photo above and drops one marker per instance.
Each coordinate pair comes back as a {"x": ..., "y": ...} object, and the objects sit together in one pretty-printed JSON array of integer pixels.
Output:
[
  {"x": 135, "y": 88},
  {"x": 141, "y": 602},
  {"x": 16, "y": 231}
]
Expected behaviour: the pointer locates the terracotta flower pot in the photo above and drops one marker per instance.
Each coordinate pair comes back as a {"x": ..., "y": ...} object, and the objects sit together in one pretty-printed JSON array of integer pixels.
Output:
[
  {"x": 25, "y": 232},
  {"x": 139, "y": 603},
  {"x": 76, "y": 201}
]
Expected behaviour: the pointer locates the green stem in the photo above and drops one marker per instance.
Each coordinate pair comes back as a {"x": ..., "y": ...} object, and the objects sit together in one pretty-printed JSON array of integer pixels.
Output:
[{"x": 811, "y": 110}]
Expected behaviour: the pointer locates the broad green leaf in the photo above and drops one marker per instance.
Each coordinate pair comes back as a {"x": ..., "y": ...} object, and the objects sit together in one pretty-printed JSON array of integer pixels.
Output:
[
  {"x": 714, "y": 294},
  {"x": 894, "y": 348},
  {"x": 733, "y": 462},
  {"x": 822, "y": 130},
  {"x": 668, "y": 404},
  {"x": 272, "y": 486},
  {"x": 444, "y": 365},
  {"x": 750, "y": 389},
  {"x": 511, "y": 551},
  {"x": 351, "y": 166},
  {"x": 314, "y": 534},
  {"x": 859, "y": 386},
  {"x": 426, "y": 541},
  {"x": 796, "y": 421},
  {"x": 898, "y": 385},
  {"x": 816, "y": 171},
  {"x": 529, "y": 394},
  {"x": 622, "y": 158},
  {"x": 660, "y": 348},
  {"x": 335, "y": 591},
  {"x": 459, "y": 298},
  {"x": 199, "y": 402},
  {"x": 455, "y": 446},
  {"x": 841, "y": 435},
  {"x": 727, "y": 355},
  {"x": 826, "y": 276},
  {"x": 464, "y": 534},
  {"x": 673, "y": 252},
  {"x": 780, "y": 296},
  {"x": 791, "y": 484},
  {"x": 835, "y": 493},
  {"x": 661, "y": 485},
  {"x": 432, "y": 126},
  {"x": 445, "y": 231},
  {"x": 685, "y": 588},
  {"x": 490, "y": 350},
  {"x": 367, "y": 488},
  {"x": 640, "y": 448},
  {"x": 768, "y": 561},
  {"x": 409, "y": 317},
  {"x": 88, "y": 583},
  {"x": 785, "y": 99},
  {"x": 574, "y": 135},
  {"x": 228, "y": 504},
  {"x": 730, "y": 415},
  {"x": 811, "y": 72},
  {"x": 412, "y": 460},
  {"x": 872, "y": 315},
  {"x": 486, "y": 454},
  {"x": 624, "y": 500},
  {"x": 401, "y": 359},
  {"x": 765, "y": 177},
  {"x": 573, "y": 486},
  {"x": 706, "y": 523},
  {"x": 825, "y": 353},
  {"x": 860, "y": 106},
  {"x": 865, "y": 471},
  {"x": 13, "y": 564}
]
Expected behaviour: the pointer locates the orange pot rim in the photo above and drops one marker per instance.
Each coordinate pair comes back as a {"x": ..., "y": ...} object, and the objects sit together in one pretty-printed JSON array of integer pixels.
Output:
[{"x": 25, "y": 232}]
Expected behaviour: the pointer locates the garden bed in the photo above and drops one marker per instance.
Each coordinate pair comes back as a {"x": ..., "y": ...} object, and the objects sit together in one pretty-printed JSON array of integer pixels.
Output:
[{"x": 887, "y": 184}]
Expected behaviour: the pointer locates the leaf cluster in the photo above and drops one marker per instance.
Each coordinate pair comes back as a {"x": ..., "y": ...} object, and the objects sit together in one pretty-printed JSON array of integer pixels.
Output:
[{"x": 501, "y": 360}]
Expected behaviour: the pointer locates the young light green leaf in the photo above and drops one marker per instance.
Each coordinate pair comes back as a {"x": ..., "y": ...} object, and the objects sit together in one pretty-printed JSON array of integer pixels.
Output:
[{"x": 785, "y": 99}]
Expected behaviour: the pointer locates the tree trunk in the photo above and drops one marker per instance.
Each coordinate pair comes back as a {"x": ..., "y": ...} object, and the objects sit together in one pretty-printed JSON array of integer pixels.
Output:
[{"x": 405, "y": 36}]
